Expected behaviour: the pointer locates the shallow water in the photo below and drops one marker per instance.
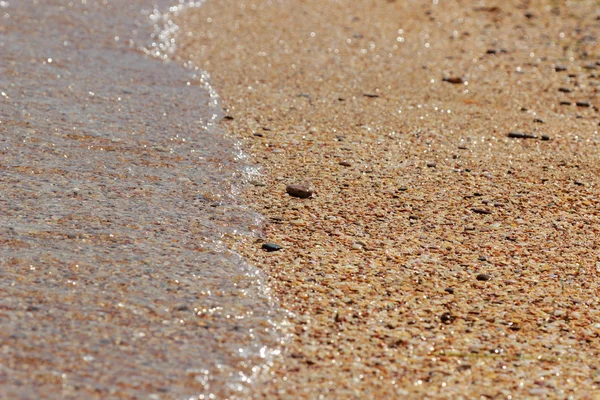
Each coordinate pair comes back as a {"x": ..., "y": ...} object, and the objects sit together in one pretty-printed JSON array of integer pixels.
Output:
[{"x": 116, "y": 186}]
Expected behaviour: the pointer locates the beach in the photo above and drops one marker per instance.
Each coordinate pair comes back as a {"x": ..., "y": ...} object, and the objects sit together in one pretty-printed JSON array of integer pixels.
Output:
[{"x": 450, "y": 248}]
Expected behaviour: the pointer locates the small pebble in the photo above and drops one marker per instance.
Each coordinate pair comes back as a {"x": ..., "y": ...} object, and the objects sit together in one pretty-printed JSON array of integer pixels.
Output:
[
  {"x": 564, "y": 90},
  {"x": 483, "y": 277},
  {"x": 560, "y": 68},
  {"x": 345, "y": 163},
  {"x": 446, "y": 318},
  {"x": 300, "y": 191},
  {"x": 271, "y": 247},
  {"x": 538, "y": 121},
  {"x": 520, "y": 135},
  {"x": 565, "y": 103},
  {"x": 454, "y": 80},
  {"x": 449, "y": 290},
  {"x": 583, "y": 104},
  {"x": 431, "y": 165},
  {"x": 545, "y": 137},
  {"x": 481, "y": 211}
]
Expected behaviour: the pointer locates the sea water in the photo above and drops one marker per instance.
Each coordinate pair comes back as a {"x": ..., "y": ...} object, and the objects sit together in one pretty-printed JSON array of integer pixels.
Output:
[{"x": 116, "y": 188}]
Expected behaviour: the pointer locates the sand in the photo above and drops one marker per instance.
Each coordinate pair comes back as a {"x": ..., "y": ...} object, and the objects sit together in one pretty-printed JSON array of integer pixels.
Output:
[{"x": 438, "y": 257}]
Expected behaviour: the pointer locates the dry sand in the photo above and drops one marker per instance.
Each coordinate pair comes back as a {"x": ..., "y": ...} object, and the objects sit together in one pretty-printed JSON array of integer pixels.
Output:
[{"x": 439, "y": 257}]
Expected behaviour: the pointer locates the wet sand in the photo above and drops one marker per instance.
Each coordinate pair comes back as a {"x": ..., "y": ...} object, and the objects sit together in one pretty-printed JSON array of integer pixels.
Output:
[{"x": 439, "y": 257}]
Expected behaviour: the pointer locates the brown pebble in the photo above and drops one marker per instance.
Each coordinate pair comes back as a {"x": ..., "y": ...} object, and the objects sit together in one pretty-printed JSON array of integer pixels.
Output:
[
  {"x": 583, "y": 104},
  {"x": 431, "y": 164},
  {"x": 483, "y": 277},
  {"x": 345, "y": 163},
  {"x": 300, "y": 191},
  {"x": 481, "y": 211},
  {"x": 565, "y": 103},
  {"x": 456, "y": 80},
  {"x": 545, "y": 137},
  {"x": 564, "y": 90}
]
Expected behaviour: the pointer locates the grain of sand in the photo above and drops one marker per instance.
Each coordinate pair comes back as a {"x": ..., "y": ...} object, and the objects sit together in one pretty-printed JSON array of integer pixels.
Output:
[{"x": 398, "y": 114}]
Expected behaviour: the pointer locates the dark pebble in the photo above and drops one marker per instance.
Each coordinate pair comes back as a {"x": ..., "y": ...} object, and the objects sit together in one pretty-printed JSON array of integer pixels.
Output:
[
  {"x": 345, "y": 163},
  {"x": 583, "y": 104},
  {"x": 462, "y": 147},
  {"x": 228, "y": 117},
  {"x": 482, "y": 258},
  {"x": 545, "y": 137},
  {"x": 565, "y": 103},
  {"x": 413, "y": 217},
  {"x": 560, "y": 68},
  {"x": 520, "y": 135},
  {"x": 590, "y": 66},
  {"x": 481, "y": 211},
  {"x": 431, "y": 164},
  {"x": 446, "y": 318},
  {"x": 538, "y": 121},
  {"x": 371, "y": 95},
  {"x": 578, "y": 183},
  {"x": 300, "y": 191},
  {"x": 454, "y": 80},
  {"x": 483, "y": 277},
  {"x": 449, "y": 290},
  {"x": 564, "y": 90},
  {"x": 271, "y": 247}
]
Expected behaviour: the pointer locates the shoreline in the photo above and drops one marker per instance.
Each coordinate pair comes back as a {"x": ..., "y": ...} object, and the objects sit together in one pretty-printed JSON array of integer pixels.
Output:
[{"x": 440, "y": 256}]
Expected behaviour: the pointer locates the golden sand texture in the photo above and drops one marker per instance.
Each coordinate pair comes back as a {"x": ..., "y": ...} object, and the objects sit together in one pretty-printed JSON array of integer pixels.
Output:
[{"x": 439, "y": 257}]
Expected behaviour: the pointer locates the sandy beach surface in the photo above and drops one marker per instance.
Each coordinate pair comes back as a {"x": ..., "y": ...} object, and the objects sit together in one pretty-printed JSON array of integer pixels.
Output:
[{"x": 450, "y": 249}]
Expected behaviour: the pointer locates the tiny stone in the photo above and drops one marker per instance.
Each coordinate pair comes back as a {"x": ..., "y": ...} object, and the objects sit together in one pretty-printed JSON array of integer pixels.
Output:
[
  {"x": 454, "y": 80},
  {"x": 371, "y": 95},
  {"x": 345, "y": 163},
  {"x": 481, "y": 211},
  {"x": 462, "y": 147},
  {"x": 446, "y": 318},
  {"x": 271, "y": 247},
  {"x": 520, "y": 135},
  {"x": 565, "y": 103},
  {"x": 560, "y": 68},
  {"x": 538, "y": 121},
  {"x": 545, "y": 137},
  {"x": 583, "y": 104},
  {"x": 564, "y": 90},
  {"x": 590, "y": 66},
  {"x": 300, "y": 191},
  {"x": 483, "y": 277},
  {"x": 431, "y": 164},
  {"x": 449, "y": 290}
]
